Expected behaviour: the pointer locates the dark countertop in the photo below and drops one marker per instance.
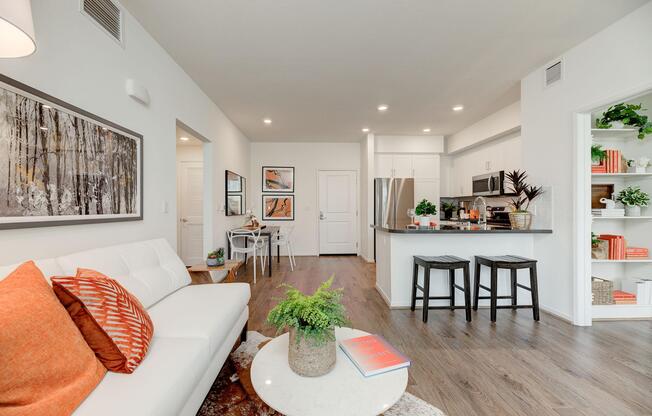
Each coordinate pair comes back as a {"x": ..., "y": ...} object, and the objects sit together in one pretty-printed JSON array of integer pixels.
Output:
[{"x": 460, "y": 229}]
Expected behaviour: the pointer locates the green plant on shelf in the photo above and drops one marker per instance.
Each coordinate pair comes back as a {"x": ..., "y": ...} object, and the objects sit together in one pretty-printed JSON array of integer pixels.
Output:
[
  {"x": 313, "y": 316},
  {"x": 595, "y": 241},
  {"x": 633, "y": 196},
  {"x": 425, "y": 207},
  {"x": 628, "y": 115},
  {"x": 598, "y": 154}
]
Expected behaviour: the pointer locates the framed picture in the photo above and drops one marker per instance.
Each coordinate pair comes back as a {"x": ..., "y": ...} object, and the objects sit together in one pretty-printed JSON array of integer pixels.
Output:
[
  {"x": 61, "y": 165},
  {"x": 278, "y": 179},
  {"x": 234, "y": 205},
  {"x": 278, "y": 207},
  {"x": 233, "y": 182}
]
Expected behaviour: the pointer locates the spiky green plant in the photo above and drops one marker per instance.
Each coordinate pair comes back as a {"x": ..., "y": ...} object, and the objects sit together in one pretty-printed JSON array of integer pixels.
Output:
[{"x": 313, "y": 316}]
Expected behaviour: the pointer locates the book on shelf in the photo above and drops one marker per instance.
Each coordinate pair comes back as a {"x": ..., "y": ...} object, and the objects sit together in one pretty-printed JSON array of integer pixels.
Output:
[
  {"x": 601, "y": 168},
  {"x": 372, "y": 355},
  {"x": 641, "y": 288},
  {"x": 624, "y": 298},
  {"x": 614, "y": 161},
  {"x": 635, "y": 253},
  {"x": 616, "y": 246},
  {"x": 604, "y": 212}
]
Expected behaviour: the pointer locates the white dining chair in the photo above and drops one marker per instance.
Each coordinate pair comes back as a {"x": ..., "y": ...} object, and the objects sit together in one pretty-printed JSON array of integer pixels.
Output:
[
  {"x": 248, "y": 242},
  {"x": 283, "y": 238}
]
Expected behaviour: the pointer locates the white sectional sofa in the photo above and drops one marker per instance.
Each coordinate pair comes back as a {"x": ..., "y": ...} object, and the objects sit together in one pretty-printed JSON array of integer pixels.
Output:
[{"x": 195, "y": 328}]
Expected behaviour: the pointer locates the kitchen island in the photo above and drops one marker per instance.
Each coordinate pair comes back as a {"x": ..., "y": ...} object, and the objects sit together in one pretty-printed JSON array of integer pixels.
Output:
[{"x": 395, "y": 248}]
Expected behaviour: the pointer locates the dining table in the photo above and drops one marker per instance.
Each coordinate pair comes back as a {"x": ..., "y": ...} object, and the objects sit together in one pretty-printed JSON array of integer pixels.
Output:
[{"x": 268, "y": 232}]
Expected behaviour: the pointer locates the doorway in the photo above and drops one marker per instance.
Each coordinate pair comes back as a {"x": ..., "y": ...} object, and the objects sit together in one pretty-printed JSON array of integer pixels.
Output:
[
  {"x": 338, "y": 212},
  {"x": 190, "y": 197}
]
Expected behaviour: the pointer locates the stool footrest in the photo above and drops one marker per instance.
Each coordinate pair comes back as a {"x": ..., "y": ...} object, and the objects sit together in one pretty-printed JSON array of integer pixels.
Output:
[
  {"x": 434, "y": 298},
  {"x": 515, "y": 306},
  {"x": 446, "y": 307},
  {"x": 497, "y": 297}
]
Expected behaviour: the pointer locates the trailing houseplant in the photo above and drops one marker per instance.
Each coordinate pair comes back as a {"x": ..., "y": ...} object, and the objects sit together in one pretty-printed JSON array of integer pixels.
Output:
[
  {"x": 627, "y": 115},
  {"x": 312, "y": 320},
  {"x": 523, "y": 195},
  {"x": 633, "y": 199},
  {"x": 424, "y": 210},
  {"x": 215, "y": 257}
]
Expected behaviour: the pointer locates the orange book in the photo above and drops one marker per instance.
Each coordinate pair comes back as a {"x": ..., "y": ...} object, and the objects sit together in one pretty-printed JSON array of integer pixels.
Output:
[{"x": 373, "y": 355}]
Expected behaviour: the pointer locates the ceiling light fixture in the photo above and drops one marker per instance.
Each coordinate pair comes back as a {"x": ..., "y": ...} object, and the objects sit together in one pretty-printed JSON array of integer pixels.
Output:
[
  {"x": 365, "y": 130},
  {"x": 16, "y": 29},
  {"x": 426, "y": 130},
  {"x": 383, "y": 107},
  {"x": 184, "y": 139},
  {"x": 267, "y": 120},
  {"x": 458, "y": 108}
]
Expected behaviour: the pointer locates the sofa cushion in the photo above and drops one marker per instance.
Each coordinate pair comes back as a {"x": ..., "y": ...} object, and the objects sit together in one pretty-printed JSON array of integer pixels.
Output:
[
  {"x": 160, "y": 386},
  {"x": 113, "y": 322},
  {"x": 46, "y": 367},
  {"x": 49, "y": 267},
  {"x": 201, "y": 311},
  {"x": 150, "y": 270}
]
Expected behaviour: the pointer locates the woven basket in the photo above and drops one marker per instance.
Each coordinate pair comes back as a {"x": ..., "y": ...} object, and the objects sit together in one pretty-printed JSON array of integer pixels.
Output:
[{"x": 602, "y": 291}]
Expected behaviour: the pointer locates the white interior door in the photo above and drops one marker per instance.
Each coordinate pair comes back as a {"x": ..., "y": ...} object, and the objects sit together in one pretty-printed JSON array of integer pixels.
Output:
[
  {"x": 191, "y": 201},
  {"x": 338, "y": 212}
]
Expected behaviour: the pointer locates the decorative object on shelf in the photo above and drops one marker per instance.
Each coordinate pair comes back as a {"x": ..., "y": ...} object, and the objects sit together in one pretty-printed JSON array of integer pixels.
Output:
[
  {"x": 608, "y": 203},
  {"x": 215, "y": 258},
  {"x": 620, "y": 115},
  {"x": 623, "y": 298},
  {"x": 600, "y": 191},
  {"x": 599, "y": 248},
  {"x": 524, "y": 194},
  {"x": 278, "y": 179},
  {"x": 235, "y": 193},
  {"x": 601, "y": 291},
  {"x": 17, "y": 29},
  {"x": 637, "y": 253},
  {"x": 633, "y": 199},
  {"x": 598, "y": 158},
  {"x": 278, "y": 207},
  {"x": 638, "y": 166},
  {"x": 251, "y": 221},
  {"x": 616, "y": 246},
  {"x": 61, "y": 165},
  {"x": 448, "y": 208},
  {"x": 424, "y": 210},
  {"x": 312, "y": 320}
]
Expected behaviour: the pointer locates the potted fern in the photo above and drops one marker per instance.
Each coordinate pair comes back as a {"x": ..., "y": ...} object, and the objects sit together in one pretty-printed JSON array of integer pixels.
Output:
[
  {"x": 312, "y": 320},
  {"x": 633, "y": 199},
  {"x": 523, "y": 194},
  {"x": 622, "y": 115},
  {"x": 424, "y": 210}
]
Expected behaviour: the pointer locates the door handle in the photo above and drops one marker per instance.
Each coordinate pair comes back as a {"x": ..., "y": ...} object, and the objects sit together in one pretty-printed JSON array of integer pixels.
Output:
[
  {"x": 321, "y": 215},
  {"x": 184, "y": 220}
]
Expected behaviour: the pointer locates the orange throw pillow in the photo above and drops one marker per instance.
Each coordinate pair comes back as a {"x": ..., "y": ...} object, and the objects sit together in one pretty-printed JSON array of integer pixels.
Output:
[
  {"x": 46, "y": 367},
  {"x": 114, "y": 323}
]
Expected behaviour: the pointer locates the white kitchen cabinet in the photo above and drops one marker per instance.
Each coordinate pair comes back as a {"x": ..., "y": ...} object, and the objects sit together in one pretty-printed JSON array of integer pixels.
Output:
[
  {"x": 384, "y": 166},
  {"x": 402, "y": 166},
  {"x": 425, "y": 166},
  {"x": 427, "y": 189}
]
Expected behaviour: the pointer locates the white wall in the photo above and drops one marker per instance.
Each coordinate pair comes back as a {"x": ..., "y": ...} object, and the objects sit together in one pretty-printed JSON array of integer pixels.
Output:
[
  {"x": 307, "y": 159},
  {"x": 615, "y": 62},
  {"x": 409, "y": 144},
  {"x": 80, "y": 64},
  {"x": 493, "y": 126},
  {"x": 367, "y": 162}
]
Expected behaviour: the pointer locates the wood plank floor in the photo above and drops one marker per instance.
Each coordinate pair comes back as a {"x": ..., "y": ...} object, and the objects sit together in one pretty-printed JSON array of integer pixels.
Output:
[{"x": 516, "y": 367}]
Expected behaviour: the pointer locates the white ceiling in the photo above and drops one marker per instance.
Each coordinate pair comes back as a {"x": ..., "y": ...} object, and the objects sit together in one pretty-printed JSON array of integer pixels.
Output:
[
  {"x": 319, "y": 68},
  {"x": 192, "y": 140}
]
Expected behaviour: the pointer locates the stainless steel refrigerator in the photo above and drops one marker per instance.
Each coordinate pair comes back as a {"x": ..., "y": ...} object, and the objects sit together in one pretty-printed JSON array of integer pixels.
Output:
[{"x": 392, "y": 200}]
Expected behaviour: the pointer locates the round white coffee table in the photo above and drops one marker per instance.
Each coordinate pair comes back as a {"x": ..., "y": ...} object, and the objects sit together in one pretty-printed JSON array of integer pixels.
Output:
[{"x": 344, "y": 391}]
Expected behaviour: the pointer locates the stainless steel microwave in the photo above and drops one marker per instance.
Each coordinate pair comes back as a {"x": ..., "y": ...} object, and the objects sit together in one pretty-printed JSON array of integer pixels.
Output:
[{"x": 489, "y": 184}]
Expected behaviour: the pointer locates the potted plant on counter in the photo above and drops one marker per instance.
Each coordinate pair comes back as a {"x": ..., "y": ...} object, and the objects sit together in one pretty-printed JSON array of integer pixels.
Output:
[
  {"x": 523, "y": 194},
  {"x": 312, "y": 320},
  {"x": 215, "y": 258},
  {"x": 633, "y": 199},
  {"x": 424, "y": 210},
  {"x": 448, "y": 208},
  {"x": 625, "y": 115}
]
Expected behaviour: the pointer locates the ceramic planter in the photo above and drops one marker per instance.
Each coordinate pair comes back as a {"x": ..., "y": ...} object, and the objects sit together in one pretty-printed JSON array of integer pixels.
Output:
[
  {"x": 520, "y": 220},
  {"x": 215, "y": 262},
  {"x": 424, "y": 220},
  {"x": 632, "y": 211},
  {"x": 309, "y": 359}
]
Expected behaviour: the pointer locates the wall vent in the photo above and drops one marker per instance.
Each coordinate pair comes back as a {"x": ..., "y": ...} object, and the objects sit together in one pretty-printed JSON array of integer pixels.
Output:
[
  {"x": 106, "y": 14},
  {"x": 553, "y": 73}
]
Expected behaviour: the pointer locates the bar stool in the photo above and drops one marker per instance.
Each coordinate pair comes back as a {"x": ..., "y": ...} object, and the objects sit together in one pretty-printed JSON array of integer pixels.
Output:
[
  {"x": 450, "y": 263},
  {"x": 513, "y": 264}
]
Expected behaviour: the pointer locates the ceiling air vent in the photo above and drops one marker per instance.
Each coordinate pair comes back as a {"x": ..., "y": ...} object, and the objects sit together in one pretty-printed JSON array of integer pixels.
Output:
[
  {"x": 553, "y": 73},
  {"x": 106, "y": 14}
]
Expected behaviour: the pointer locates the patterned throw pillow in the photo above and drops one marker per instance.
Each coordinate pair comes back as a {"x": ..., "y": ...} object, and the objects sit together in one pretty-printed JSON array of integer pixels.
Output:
[{"x": 114, "y": 323}]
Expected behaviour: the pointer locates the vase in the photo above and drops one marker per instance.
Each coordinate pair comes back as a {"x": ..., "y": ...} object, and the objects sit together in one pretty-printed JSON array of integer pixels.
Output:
[
  {"x": 632, "y": 211},
  {"x": 308, "y": 358},
  {"x": 424, "y": 220},
  {"x": 617, "y": 125},
  {"x": 211, "y": 262},
  {"x": 520, "y": 220}
]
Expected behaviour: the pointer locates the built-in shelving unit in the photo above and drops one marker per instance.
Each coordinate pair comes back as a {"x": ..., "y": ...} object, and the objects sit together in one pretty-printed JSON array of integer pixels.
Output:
[{"x": 637, "y": 231}]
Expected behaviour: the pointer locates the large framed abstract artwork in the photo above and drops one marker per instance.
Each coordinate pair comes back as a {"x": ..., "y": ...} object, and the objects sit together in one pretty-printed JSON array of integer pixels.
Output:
[
  {"x": 278, "y": 207},
  {"x": 61, "y": 165},
  {"x": 278, "y": 179}
]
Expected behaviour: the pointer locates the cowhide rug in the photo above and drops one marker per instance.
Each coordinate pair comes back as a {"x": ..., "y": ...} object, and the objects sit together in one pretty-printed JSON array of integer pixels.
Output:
[{"x": 232, "y": 394}]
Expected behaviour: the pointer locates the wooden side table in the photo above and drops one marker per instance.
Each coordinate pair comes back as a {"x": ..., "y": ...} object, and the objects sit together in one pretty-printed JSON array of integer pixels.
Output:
[{"x": 200, "y": 272}]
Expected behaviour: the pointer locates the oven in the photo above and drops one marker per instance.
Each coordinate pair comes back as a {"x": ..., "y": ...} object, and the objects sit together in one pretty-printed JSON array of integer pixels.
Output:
[{"x": 489, "y": 184}]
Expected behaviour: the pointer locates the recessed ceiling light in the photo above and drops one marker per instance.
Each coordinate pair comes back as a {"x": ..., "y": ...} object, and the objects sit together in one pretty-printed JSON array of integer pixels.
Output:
[
  {"x": 267, "y": 120},
  {"x": 184, "y": 139},
  {"x": 458, "y": 108},
  {"x": 383, "y": 107},
  {"x": 365, "y": 130},
  {"x": 426, "y": 130}
]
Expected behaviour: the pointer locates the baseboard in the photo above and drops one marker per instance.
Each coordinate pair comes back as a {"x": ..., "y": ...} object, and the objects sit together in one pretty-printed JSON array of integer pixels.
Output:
[
  {"x": 384, "y": 296},
  {"x": 557, "y": 314}
]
